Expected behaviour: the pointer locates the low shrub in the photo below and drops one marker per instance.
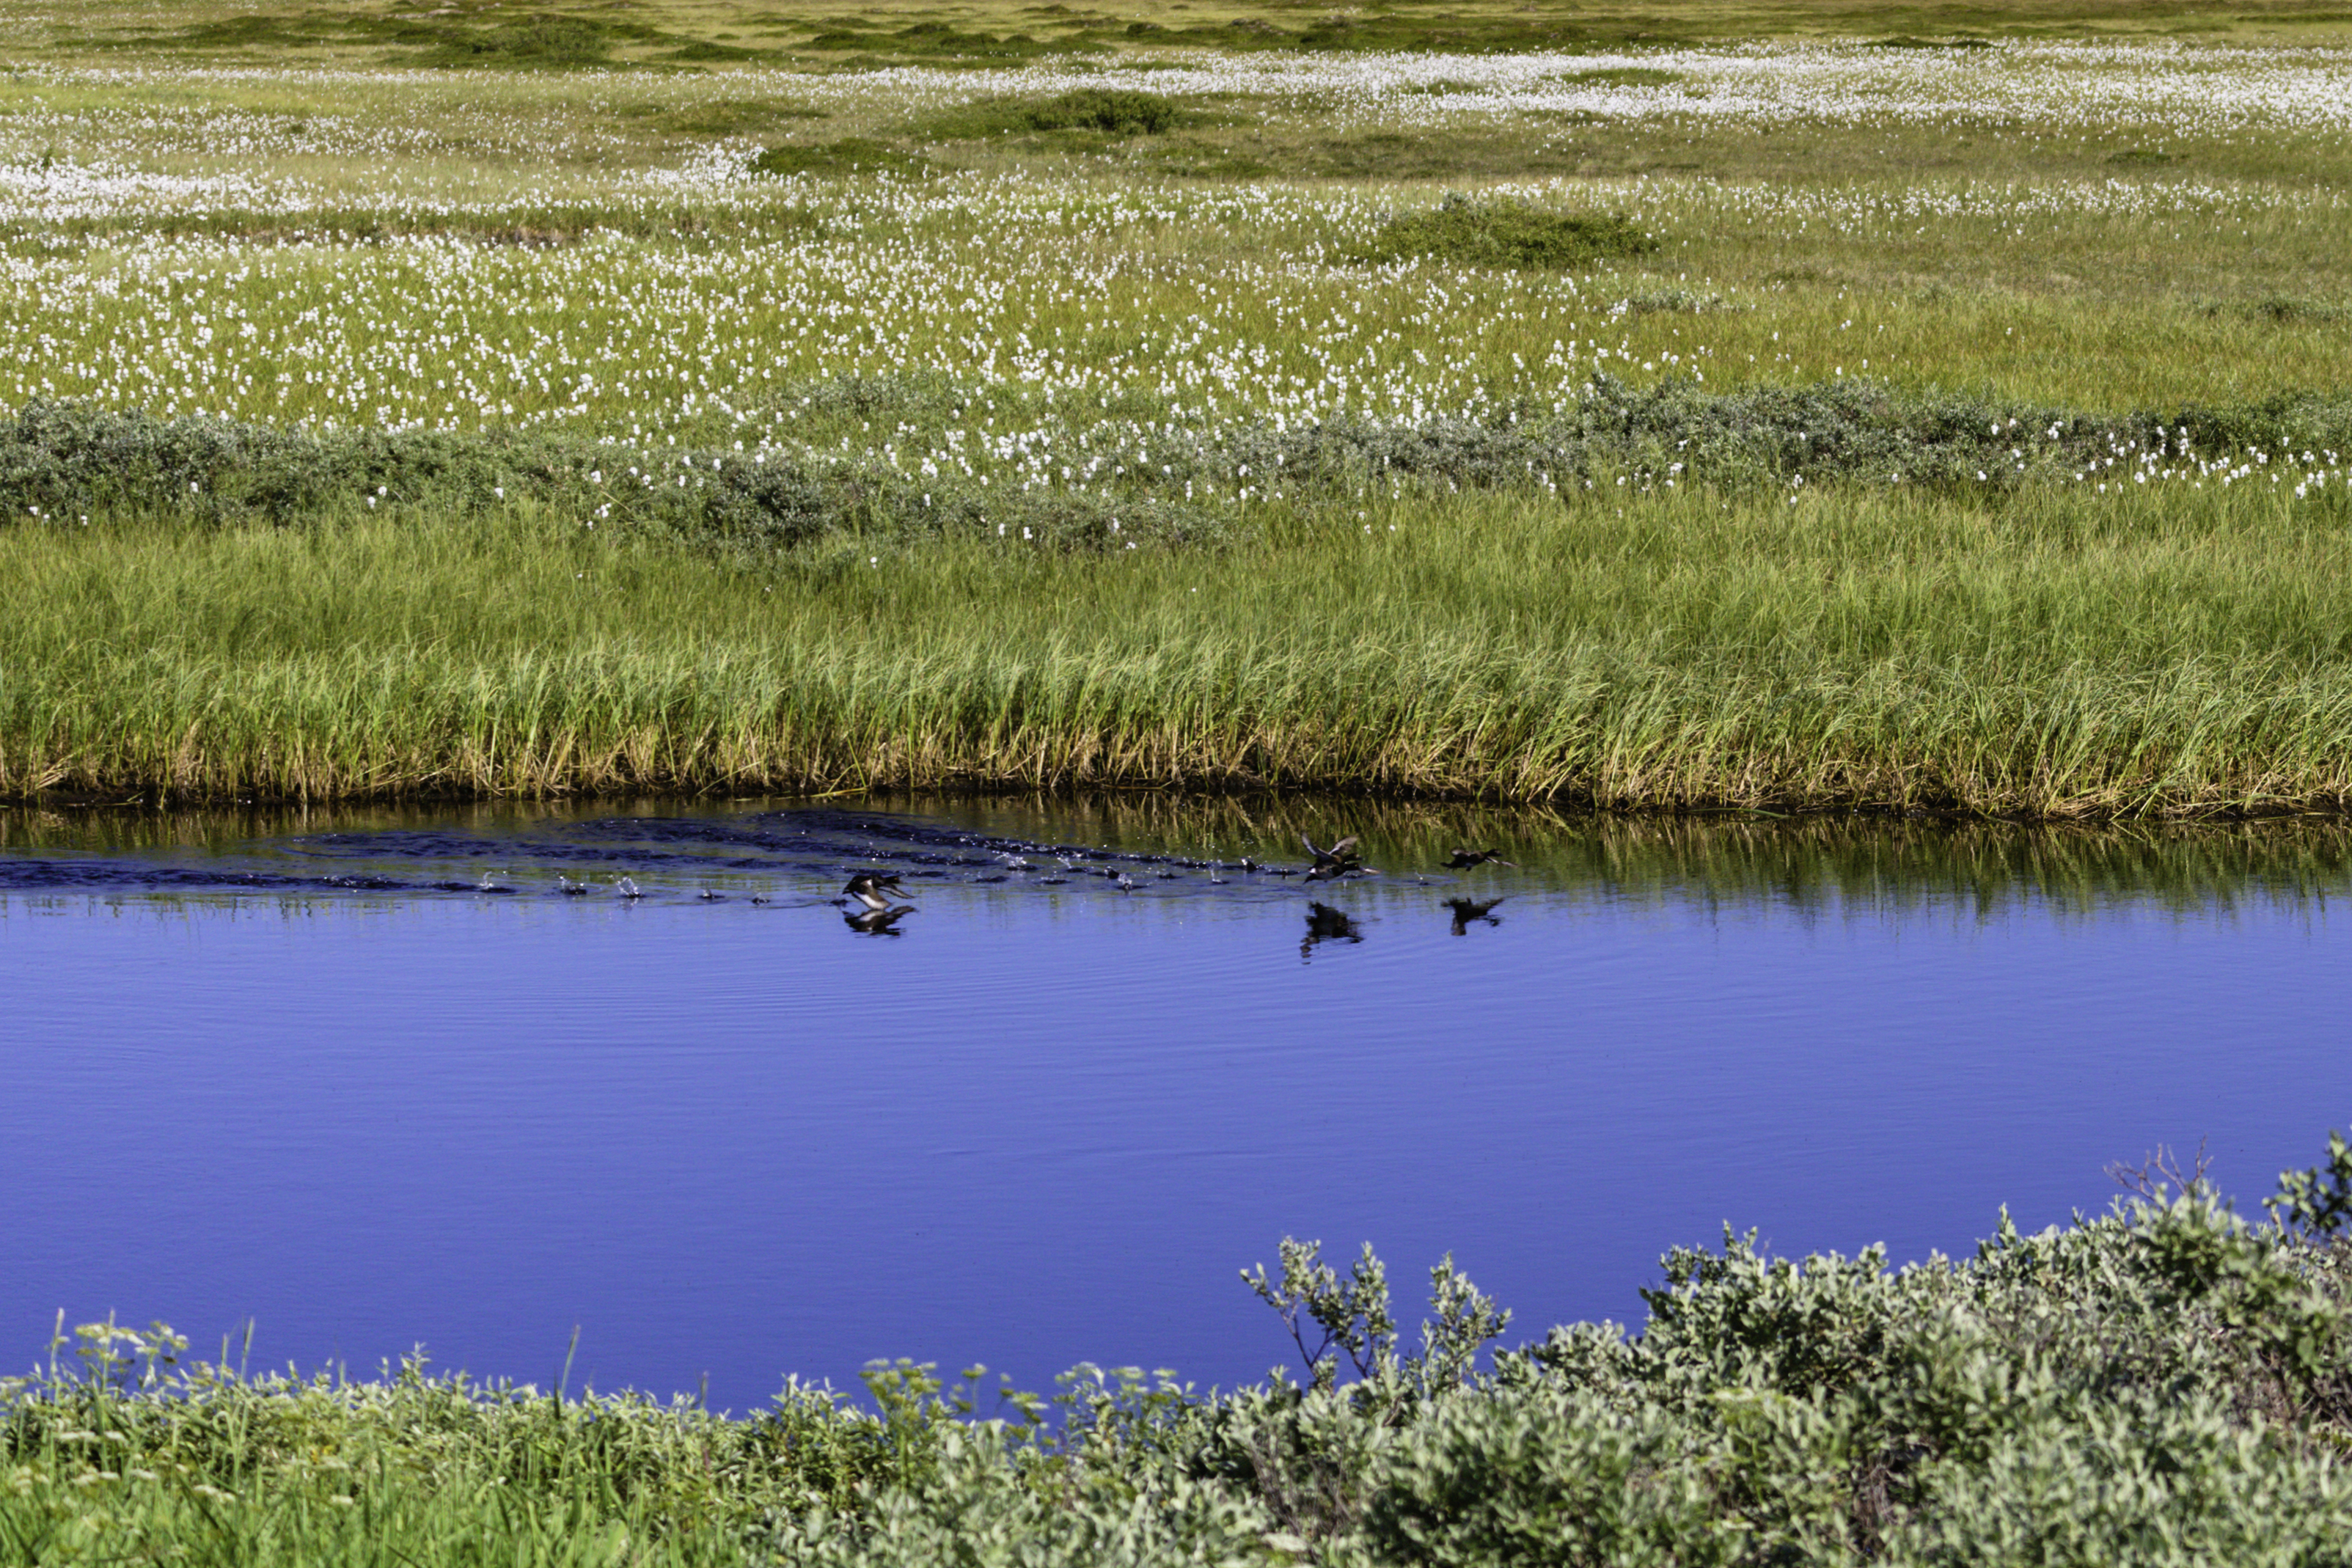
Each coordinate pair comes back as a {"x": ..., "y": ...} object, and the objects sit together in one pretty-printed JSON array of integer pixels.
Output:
[
  {"x": 849, "y": 155},
  {"x": 1505, "y": 234},
  {"x": 65, "y": 462},
  {"x": 1114, "y": 112},
  {"x": 1102, "y": 112}
]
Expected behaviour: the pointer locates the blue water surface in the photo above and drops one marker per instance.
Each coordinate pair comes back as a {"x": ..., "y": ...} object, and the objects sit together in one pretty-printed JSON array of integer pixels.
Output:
[{"x": 307, "y": 1075}]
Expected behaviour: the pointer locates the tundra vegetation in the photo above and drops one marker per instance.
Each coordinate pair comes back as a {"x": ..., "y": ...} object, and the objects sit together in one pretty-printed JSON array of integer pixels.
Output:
[
  {"x": 1779, "y": 405},
  {"x": 2164, "y": 1384}
]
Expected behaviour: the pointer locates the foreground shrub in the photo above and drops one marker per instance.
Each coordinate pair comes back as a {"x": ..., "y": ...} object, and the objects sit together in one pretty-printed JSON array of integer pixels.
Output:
[{"x": 2166, "y": 1384}]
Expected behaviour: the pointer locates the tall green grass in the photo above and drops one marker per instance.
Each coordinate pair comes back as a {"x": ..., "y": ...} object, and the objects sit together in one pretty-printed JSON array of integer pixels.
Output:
[{"x": 2047, "y": 652}]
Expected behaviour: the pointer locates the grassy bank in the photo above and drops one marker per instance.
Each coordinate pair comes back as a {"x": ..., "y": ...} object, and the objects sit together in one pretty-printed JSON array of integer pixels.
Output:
[
  {"x": 2047, "y": 650},
  {"x": 2163, "y": 1384}
]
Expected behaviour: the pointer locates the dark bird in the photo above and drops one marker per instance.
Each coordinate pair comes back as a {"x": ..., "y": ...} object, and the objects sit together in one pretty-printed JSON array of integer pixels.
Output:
[
  {"x": 1468, "y": 910},
  {"x": 1342, "y": 860},
  {"x": 568, "y": 888},
  {"x": 872, "y": 888},
  {"x": 1462, "y": 859}
]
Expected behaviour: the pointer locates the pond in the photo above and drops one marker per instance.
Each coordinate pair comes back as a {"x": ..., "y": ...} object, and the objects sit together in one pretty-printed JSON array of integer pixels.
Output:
[{"x": 371, "y": 1080}]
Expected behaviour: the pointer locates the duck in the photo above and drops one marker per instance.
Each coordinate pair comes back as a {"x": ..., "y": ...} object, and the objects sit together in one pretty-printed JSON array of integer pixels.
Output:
[
  {"x": 872, "y": 888},
  {"x": 1341, "y": 859},
  {"x": 1462, "y": 859}
]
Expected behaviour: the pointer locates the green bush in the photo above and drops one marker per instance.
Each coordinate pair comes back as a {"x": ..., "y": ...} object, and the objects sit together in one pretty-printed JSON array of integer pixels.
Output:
[
  {"x": 1114, "y": 112},
  {"x": 1104, "y": 111}
]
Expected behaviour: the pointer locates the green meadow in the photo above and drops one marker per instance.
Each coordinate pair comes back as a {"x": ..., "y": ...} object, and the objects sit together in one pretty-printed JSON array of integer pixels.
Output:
[{"x": 1775, "y": 407}]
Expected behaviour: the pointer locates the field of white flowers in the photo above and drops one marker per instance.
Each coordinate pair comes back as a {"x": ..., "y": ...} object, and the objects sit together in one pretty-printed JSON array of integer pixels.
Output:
[{"x": 424, "y": 250}]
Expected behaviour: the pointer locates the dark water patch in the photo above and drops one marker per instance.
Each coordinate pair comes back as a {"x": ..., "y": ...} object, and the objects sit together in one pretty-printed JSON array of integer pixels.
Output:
[{"x": 1221, "y": 848}]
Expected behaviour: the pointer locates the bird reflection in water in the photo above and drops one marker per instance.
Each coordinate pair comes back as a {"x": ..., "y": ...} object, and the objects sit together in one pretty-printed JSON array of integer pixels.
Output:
[
  {"x": 1325, "y": 923},
  {"x": 1468, "y": 910}
]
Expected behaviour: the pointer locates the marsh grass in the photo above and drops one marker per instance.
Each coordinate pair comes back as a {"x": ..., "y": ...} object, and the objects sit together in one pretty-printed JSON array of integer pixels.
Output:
[{"x": 2045, "y": 654}]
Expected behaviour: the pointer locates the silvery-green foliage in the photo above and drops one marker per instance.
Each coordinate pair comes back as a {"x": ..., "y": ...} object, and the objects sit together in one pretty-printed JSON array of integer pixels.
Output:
[
  {"x": 1538, "y": 1477},
  {"x": 1313, "y": 1455},
  {"x": 1352, "y": 1317},
  {"x": 2156, "y": 1480},
  {"x": 979, "y": 1511},
  {"x": 1852, "y": 430},
  {"x": 2317, "y": 1202}
]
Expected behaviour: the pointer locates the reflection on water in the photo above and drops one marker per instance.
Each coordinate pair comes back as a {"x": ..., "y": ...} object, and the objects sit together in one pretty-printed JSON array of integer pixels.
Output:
[
  {"x": 688, "y": 850},
  {"x": 1325, "y": 923},
  {"x": 474, "y": 1076},
  {"x": 1470, "y": 911}
]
